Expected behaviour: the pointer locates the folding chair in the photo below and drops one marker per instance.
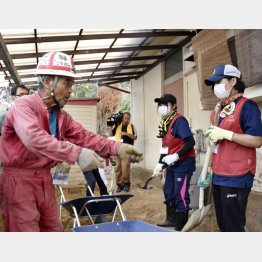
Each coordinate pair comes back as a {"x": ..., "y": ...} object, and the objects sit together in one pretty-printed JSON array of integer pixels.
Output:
[{"x": 90, "y": 206}]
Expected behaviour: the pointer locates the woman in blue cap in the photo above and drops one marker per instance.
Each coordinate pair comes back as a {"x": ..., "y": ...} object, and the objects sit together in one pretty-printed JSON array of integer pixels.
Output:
[{"x": 235, "y": 133}]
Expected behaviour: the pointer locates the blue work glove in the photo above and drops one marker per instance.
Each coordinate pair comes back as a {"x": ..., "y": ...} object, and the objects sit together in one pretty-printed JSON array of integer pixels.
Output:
[{"x": 205, "y": 183}]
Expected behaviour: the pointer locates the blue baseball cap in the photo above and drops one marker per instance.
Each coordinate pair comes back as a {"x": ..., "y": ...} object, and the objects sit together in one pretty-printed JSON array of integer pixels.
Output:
[{"x": 220, "y": 72}]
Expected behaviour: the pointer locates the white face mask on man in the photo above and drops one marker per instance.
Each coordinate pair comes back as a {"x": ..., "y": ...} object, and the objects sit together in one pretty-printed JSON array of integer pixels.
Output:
[
  {"x": 221, "y": 92},
  {"x": 163, "y": 110}
]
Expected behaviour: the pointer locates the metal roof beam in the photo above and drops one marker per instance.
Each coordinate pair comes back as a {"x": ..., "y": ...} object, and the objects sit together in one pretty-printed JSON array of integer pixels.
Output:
[
  {"x": 87, "y": 62},
  {"x": 134, "y": 74},
  {"x": 113, "y": 68},
  {"x": 82, "y": 81},
  {"x": 91, "y": 70},
  {"x": 112, "y": 44},
  {"x": 36, "y": 47},
  {"x": 77, "y": 41},
  {"x": 97, "y": 70},
  {"x": 101, "y": 50},
  {"x": 133, "y": 53},
  {"x": 115, "y": 88},
  {"x": 120, "y": 59},
  {"x": 116, "y": 80},
  {"x": 5, "y": 57},
  {"x": 61, "y": 38}
]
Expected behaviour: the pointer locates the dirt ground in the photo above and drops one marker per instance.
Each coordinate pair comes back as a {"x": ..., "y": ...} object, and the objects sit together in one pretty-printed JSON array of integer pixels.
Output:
[{"x": 147, "y": 206}]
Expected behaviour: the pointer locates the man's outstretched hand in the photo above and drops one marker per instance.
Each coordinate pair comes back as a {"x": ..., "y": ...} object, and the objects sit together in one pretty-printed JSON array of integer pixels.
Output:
[{"x": 129, "y": 153}]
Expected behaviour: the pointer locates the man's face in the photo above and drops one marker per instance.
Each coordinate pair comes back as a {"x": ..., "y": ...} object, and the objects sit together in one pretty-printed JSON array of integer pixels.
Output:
[
  {"x": 20, "y": 92},
  {"x": 126, "y": 119},
  {"x": 63, "y": 89}
]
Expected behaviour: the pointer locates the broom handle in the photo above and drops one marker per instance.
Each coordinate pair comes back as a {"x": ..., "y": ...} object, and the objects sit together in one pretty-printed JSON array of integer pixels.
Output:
[{"x": 203, "y": 176}]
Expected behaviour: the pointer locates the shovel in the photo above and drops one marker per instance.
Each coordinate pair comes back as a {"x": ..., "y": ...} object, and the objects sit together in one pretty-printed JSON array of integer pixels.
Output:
[
  {"x": 146, "y": 184},
  {"x": 199, "y": 214},
  {"x": 149, "y": 179}
]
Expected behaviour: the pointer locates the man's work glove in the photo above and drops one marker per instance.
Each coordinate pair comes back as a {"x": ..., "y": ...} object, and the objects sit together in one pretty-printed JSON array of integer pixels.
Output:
[
  {"x": 129, "y": 153},
  {"x": 214, "y": 134},
  {"x": 158, "y": 171},
  {"x": 170, "y": 159},
  {"x": 89, "y": 160},
  {"x": 205, "y": 183}
]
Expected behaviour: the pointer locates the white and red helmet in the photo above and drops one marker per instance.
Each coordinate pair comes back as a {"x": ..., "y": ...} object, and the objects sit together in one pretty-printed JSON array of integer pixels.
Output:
[{"x": 56, "y": 63}]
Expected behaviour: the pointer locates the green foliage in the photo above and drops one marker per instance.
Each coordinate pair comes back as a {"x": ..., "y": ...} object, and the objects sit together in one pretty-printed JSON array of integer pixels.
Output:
[
  {"x": 125, "y": 105},
  {"x": 84, "y": 90},
  {"x": 125, "y": 85}
]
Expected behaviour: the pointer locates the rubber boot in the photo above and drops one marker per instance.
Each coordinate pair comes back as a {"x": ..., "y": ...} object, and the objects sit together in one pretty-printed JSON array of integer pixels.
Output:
[
  {"x": 170, "y": 217},
  {"x": 181, "y": 220}
]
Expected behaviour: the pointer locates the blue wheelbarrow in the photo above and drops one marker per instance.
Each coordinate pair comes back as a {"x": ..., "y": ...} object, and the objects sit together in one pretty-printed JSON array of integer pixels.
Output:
[{"x": 122, "y": 226}]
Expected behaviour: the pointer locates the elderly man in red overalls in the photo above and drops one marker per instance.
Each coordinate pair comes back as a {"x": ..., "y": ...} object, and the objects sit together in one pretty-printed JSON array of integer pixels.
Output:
[{"x": 37, "y": 135}]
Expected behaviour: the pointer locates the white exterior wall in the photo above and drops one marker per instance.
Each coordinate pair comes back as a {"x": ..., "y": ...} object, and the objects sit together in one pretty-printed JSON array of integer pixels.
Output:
[
  {"x": 138, "y": 115},
  {"x": 85, "y": 115},
  {"x": 145, "y": 117},
  {"x": 197, "y": 118}
]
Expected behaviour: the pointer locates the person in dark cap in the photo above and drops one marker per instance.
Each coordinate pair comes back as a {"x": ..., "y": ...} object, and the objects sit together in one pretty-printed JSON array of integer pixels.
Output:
[
  {"x": 235, "y": 133},
  {"x": 178, "y": 155}
]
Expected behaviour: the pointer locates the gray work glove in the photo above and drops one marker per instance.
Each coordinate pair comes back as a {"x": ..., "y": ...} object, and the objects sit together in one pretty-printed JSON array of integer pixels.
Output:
[
  {"x": 129, "y": 153},
  {"x": 89, "y": 160}
]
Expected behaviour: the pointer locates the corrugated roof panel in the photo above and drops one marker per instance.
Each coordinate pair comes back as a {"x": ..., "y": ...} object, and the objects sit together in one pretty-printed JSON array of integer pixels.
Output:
[
  {"x": 17, "y": 33},
  {"x": 57, "y": 32},
  {"x": 26, "y": 71},
  {"x": 118, "y": 54},
  {"x": 122, "y": 42},
  {"x": 82, "y": 67},
  {"x": 131, "y": 70},
  {"x": 29, "y": 79},
  {"x": 21, "y": 48},
  {"x": 84, "y": 45},
  {"x": 137, "y": 30},
  {"x": 88, "y": 57},
  {"x": 94, "y": 44},
  {"x": 56, "y": 46},
  {"x": 24, "y": 61},
  {"x": 100, "y": 31},
  {"x": 103, "y": 72},
  {"x": 109, "y": 64},
  {"x": 84, "y": 74},
  {"x": 98, "y": 73}
]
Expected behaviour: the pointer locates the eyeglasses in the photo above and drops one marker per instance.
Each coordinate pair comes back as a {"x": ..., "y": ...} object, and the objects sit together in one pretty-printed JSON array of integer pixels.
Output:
[{"x": 22, "y": 94}]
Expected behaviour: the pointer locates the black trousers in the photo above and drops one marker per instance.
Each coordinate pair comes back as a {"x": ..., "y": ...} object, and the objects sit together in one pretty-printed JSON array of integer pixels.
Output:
[
  {"x": 93, "y": 177},
  {"x": 230, "y": 205}
]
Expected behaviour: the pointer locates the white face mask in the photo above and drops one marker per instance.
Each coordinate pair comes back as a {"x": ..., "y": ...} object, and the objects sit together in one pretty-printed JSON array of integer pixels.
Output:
[
  {"x": 221, "y": 92},
  {"x": 163, "y": 110}
]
